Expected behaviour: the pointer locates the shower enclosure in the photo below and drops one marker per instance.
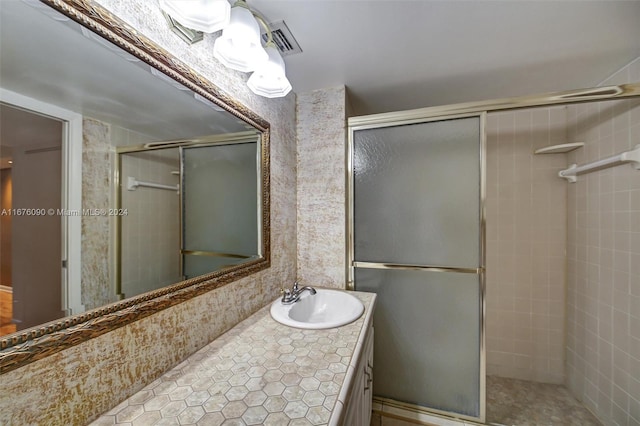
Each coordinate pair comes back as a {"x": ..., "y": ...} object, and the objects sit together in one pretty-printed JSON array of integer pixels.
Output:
[
  {"x": 469, "y": 313},
  {"x": 185, "y": 211},
  {"x": 418, "y": 241}
]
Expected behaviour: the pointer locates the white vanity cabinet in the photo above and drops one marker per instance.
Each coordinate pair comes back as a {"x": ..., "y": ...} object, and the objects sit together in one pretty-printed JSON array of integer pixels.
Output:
[{"x": 358, "y": 407}]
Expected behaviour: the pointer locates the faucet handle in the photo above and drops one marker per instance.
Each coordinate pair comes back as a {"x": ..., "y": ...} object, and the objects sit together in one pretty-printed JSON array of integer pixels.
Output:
[
  {"x": 295, "y": 286},
  {"x": 286, "y": 295}
]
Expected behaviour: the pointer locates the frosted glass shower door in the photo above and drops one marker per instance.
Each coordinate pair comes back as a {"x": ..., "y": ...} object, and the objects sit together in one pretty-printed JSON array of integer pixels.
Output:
[
  {"x": 417, "y": 243},
  {"x": 427, "y": 337},
  {"x": 219, "y": 204}
]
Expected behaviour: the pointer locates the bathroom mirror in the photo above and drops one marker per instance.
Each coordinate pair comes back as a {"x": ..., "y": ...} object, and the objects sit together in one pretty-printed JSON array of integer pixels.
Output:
[
  {"x": 105, "y": 91},
  {"x": 208, "y": 197}
]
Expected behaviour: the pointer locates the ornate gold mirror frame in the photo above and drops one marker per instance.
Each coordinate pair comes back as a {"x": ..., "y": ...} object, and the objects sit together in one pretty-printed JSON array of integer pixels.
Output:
[{"x": 39, "y": 342}]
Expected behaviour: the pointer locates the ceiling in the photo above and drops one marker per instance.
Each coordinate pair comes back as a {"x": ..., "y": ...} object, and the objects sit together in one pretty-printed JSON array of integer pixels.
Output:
[
  {"x": 397, "y": 55},
  {"x": 391, "y": 54},
  {"x": 21, "y": 129},
  {"x": 62, "y": 63}
]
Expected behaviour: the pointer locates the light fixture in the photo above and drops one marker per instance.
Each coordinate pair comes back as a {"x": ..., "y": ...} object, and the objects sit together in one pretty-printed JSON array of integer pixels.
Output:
[
  {"x": 207, "y": 16},
  {"x": 240, "y": 47},
  {"x": 270, "y": 80}
]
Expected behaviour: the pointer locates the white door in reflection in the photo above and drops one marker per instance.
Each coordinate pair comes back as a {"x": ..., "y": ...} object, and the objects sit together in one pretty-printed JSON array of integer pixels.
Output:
[
  {"x": 35, "y": 237},
  {"x": 40, "y": 225}
]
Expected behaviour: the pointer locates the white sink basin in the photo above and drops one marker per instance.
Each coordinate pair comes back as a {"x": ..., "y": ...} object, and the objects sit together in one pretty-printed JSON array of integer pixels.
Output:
[{"x": 325, "y": 309}]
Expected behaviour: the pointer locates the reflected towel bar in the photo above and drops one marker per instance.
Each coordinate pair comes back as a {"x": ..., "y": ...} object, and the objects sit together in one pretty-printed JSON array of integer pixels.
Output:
[
  {"x": 132, "y": 184},
  {"x": 632, "y": 157}
]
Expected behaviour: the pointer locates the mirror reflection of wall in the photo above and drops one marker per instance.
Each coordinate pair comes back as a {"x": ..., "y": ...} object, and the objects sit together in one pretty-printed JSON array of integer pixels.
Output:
[
  {"x": 6, "y": 283},
  {"x": 220, "y": 199},
  {"x": 31, "y": 148},
  {"x": 186, "y": 211},
  {"x": 99, "y": 142},
  {"x": 150, "y": 221},
  {"x": 62, "y": 64}
]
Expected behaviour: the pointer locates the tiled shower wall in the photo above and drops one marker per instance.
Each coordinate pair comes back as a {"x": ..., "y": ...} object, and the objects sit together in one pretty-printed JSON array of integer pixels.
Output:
[
  {"x": 151, "y": 226},
  {"x": 526, "y": 234},
  {"x": 603, "y": 323},
  {"x": 99, "y": 140}
]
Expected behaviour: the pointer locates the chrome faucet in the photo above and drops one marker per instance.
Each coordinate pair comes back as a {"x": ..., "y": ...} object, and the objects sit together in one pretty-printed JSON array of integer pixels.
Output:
[{"x": 293, "y": 295}]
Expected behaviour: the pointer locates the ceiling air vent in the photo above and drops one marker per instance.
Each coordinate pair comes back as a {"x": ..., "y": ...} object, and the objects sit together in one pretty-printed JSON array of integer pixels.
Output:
[{"x": 282, "y": 37}]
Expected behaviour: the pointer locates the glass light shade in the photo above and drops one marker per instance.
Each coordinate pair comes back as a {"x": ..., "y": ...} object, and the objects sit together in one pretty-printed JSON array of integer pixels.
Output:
[
  {"x": 240, "y": 47},
  {"x": 270, "y": 80},
  {"x": 207, "y": 16}
]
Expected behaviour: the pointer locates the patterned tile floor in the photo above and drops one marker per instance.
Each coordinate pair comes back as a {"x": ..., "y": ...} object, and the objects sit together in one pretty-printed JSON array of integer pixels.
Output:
[
  {"x": 517, "y": 402},
  {"x": 513, "y": 402}
]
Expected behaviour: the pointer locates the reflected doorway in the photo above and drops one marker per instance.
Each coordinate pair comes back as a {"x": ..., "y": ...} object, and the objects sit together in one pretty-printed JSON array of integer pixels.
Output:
[{"x": 31, "y": 250}]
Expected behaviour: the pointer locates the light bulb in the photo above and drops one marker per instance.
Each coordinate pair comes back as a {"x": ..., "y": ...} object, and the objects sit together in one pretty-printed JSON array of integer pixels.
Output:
[
  {"x": 207, "y": 16},
  {"x": 270, "y": 80},
  {"x": 240, "y": 47}
]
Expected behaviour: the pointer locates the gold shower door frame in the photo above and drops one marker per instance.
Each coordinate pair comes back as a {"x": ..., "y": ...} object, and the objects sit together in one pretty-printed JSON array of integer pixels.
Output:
[
  {"x": 205, "y": 141},
  {"x": 397, "y": 120},
  {"x": 454, "y": 111}
]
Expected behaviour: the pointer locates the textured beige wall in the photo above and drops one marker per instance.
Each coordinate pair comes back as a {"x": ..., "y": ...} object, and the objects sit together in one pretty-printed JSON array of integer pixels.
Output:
[
  {"x": 97, "y": 288},
  {"x": 321, "y": 133},
  {"x": 76, "y": 385},
  {"x": 603, "y": 326}
]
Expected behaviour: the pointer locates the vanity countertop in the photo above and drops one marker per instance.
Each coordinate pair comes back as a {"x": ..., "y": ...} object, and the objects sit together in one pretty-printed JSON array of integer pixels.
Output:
[{"x": 258, "y": 373}]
